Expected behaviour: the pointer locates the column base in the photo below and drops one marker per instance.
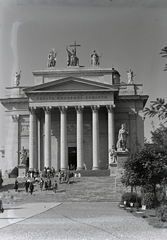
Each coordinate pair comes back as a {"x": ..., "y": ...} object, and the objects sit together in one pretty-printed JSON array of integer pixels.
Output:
[
  {"x": 79, "y": 168},
  {"x": 95, "y": 168}
]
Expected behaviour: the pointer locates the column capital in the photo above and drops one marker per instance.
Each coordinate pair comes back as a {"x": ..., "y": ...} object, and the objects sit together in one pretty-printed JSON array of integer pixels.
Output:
[
  {"x": 110, "y": 108},
  {"x": 79, "y": 109},
  {"x": 31, "y": 110},
  {"x": 47, "y": 109},
  {"x": 63, "y": 109},
  {"x": 15, "y": 117},
  {"x": 95, "y": 108}
]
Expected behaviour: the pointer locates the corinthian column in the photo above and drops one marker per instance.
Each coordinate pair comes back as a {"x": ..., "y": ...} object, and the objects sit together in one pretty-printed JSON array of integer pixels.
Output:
[
  {"x": 111, "y": 132},
  {"x": 63, "y": 138},
  {"x": 47, "y": 156},
  {"x": 95, "y": 123},
  {"x": 79, "y": 110},
  {"x": 32, "y": 139}
]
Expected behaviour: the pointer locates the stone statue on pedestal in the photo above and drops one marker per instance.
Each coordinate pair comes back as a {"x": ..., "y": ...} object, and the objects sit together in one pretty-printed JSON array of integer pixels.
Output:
[
  {"x": 72, "y": 59},
  {"x": 95, "y": 59},
  {"x": 130, "y": 76},
  {"x": 17, "y": 79},
  {"x": 52, "y": 58},
  {"x": 122, "y": 138}
]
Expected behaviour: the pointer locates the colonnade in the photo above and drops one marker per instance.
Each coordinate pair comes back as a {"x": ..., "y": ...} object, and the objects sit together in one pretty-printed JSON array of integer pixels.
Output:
[{"x": 33, "y": 136}]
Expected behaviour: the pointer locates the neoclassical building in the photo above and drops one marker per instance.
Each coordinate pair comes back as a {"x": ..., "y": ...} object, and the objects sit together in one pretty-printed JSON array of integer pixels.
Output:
[{"x": 70, "y": 117}]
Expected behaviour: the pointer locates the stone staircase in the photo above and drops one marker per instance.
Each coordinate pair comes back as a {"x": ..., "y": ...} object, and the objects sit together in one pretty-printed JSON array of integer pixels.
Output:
[{"x": 80, "y": 189}]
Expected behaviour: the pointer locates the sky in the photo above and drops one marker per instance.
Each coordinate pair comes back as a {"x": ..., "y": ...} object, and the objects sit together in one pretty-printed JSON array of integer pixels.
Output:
[{"x": 128, "y": 33}]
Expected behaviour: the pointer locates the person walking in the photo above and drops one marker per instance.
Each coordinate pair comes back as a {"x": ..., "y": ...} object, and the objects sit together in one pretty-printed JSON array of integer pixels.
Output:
[
  {"x": 55, "y": 186},
  {"x": 41, "y": 183},
  {"x": 26, "y": 186},
  {"x": 46, "y": 184},
  {"x": 59, "y": 176},
  {"x": 49, "y": 184},
  {"x": 31, "y": 188},
  {"x": 16, "y": 185}
]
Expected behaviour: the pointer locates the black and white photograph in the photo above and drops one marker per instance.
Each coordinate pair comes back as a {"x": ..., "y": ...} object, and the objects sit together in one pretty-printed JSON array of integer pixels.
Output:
[{"x": 83, "y": 119}]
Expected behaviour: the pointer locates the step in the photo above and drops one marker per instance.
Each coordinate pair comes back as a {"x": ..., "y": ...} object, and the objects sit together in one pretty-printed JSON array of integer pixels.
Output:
[{"x": 93, "y": 173}]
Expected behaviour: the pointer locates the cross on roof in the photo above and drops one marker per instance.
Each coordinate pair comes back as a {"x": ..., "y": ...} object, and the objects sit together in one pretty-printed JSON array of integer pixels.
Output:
[{"x": 75, "y": 45}]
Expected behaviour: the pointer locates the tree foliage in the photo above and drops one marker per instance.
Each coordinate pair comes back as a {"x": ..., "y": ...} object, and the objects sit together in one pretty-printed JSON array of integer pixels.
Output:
[
  {"x": 157, "y": 108},
  {"x": 159, "y": 138},
  {"x": 147, "y": 166},
  {"x": 164, "y": 54}
]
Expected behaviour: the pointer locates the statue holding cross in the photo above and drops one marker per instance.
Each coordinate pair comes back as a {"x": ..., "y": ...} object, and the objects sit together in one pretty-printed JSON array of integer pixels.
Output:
[{"x": 72, "y": 59}]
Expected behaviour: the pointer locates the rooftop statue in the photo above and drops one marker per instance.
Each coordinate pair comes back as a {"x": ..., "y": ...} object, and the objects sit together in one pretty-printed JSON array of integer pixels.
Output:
[
  {"x": 95, "y": 59},
  {"x": 122, "y": 138},
  {"x": 130, "y": 76},
  {"x": 17, "y": 79},
  {"x": 52, "y": 58},
  {"x": 72, "y": 59}
]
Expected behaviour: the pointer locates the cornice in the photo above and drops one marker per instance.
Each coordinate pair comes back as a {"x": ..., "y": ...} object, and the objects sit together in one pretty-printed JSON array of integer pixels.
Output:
[
  {"x": 73, "y": 70},
  {"x": 13, "y": 100}
]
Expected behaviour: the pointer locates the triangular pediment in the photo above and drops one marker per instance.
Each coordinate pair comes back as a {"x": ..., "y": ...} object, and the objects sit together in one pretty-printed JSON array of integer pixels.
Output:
[{"x": 70, "y": 84}]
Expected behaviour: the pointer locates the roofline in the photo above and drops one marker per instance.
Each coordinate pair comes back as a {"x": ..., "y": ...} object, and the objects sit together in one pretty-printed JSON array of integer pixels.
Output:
[{"x": 76, "y": 69}]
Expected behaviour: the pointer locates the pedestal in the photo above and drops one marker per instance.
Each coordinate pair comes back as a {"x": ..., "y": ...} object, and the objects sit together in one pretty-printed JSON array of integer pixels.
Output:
[
  {"x": 22, "y": 170},
  {"x": 121, "y": 158},
  {"x": 117, "y": 170}
]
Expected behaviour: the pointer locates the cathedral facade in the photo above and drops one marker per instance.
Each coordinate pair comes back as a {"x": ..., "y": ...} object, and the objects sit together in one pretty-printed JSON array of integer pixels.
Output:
[{"x": 70, "y": 118}]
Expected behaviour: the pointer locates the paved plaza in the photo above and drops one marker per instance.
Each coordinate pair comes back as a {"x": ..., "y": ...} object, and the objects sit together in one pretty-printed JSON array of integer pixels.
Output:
[{"x": 29, "y": 218}]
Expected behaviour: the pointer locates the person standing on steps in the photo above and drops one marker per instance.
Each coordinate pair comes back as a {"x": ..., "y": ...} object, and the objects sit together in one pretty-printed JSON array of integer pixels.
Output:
[
  {"x": 16, "y": 185},
  {"x": 26, "y": 186},
  {"x": 31, "y": 188}
]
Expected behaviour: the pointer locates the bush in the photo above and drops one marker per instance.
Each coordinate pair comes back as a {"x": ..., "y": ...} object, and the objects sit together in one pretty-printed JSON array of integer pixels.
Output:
[
  {"x": 161, "y": 213},
  {"x": 130, "y": 197},
  {"x": 149, "y": 200},
  {"x": 161, "y": 196}
]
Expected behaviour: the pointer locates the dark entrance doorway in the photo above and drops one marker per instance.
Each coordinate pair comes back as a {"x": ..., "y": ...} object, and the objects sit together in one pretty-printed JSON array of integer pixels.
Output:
[{"x": 72, "y": 158}]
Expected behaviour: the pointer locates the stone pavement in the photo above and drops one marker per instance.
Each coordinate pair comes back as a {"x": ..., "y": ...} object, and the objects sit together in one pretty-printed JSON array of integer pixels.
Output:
[
  {"x": 86, "y": 211},
  {"x": 78, "y": 221},
  {"x": 14, "y": 214}
]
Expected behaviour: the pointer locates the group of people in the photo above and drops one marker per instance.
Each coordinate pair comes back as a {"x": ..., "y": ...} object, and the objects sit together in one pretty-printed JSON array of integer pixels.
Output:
[
  {"x": 64, "y": 176},
  {"x": 48, "y": 172},
  {"x": 45, "y": 179},
  {"x": 29, "y": 186},
  {"x": 47, "y": 184}
]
